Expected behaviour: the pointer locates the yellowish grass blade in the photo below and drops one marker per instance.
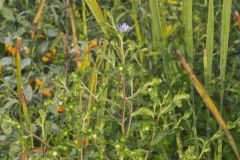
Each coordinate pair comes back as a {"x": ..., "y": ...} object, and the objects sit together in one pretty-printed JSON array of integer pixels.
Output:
[
  {"x": 39, "y": 13},
  {"x": 98, "y": 14},
  {"x": 21, "y": 95},
  {"x": 209, "y": 102}
]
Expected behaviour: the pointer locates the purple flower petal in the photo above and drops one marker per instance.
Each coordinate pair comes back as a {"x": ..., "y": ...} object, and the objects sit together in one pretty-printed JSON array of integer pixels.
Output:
[{"x": 124, "y": 27}]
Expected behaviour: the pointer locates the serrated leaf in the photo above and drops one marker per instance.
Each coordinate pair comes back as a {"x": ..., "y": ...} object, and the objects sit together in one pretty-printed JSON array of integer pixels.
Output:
[
  {"x": 143, "y": 111},
  {"x": 7, "y": 13}
]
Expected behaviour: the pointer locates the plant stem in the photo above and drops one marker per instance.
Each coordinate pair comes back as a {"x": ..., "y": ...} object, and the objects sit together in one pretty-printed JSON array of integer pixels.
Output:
[
  {"x": 131, "y": 110},
  {"x": 124, "y": 103},
  {"x": 152, "y": 138}
]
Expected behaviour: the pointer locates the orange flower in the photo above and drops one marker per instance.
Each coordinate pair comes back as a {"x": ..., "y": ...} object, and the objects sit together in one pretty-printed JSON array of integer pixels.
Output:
[
  {"x": 60, "y": 109},
  {"x": 78, "y": 64},
  {"x": 10, "y": 49},
  {"x": 38, "y": 82},
  {"x": 47, "y": 93},
  {"x": 92, "y": 43},
  {"x": 45, "y": 59},
  {"x": 54, "y": 51},
  {"x": 50, "y": 55}
]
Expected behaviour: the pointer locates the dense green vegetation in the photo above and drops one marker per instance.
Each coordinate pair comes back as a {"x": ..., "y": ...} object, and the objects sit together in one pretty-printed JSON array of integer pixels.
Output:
[{"x": 119, "y": 79}]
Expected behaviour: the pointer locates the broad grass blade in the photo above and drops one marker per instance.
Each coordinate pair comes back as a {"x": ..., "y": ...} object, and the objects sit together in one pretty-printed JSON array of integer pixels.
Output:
[
  {"x": 209, "y": 46},
  {"x": 226, "y": 17},
  {"x": 188, "y": 34},
  {"x": 158, "y": 29},
  {"x": 98, "y": 14},
  {"x": 225, "y": 28}
]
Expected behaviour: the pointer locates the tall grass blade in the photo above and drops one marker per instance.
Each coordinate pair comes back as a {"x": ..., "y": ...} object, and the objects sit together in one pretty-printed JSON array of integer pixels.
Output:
[
  {"x": 135, "y": 19},
  {"x": 135, "y": 6},
  {"x": 208, "y": 54},
  {"x": 188, "y": 34},
  {"x": 209, "y": 102},
  {"x": 85, "y": 27},
  {"x": 98, "y": 14},
  {"x": 20, "y": 90},
  {"x": 209, "y": 46},
  {"x": 226, "y": 17},
  {"x": 92, "y": 86},
  {"x": 157, "y": 31},
  {"x": 188, "y": 37},
  {"x": 74, "y": 33},
  {"x": 225, "y": 28}
]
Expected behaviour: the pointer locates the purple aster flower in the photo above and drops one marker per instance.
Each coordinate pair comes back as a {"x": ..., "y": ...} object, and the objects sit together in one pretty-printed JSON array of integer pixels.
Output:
[{"x": 124, "y": 27}]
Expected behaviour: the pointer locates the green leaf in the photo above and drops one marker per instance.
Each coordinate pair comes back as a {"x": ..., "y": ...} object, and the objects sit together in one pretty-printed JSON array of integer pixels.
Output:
[
  {"x": 10, "y": 103},
  {"x": 163, "y": 134},
  {"x": 179, "y": 98},
  {"x": 7, "y": 13},
  {"x": 5, "y": 61},
  {"x": 27, "y": 90},
  {"x": 98, "y": 14},
  {"x": 42, "y": 47},
  {"x": 25, "y": 62},
  {"x": 52, "y": 33},
  {"x": 14, "y": 149},
  {"x": 143, "y": 111},
  {"x": 7, "y": 129},
  {"x": 19, "y": 32}
]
